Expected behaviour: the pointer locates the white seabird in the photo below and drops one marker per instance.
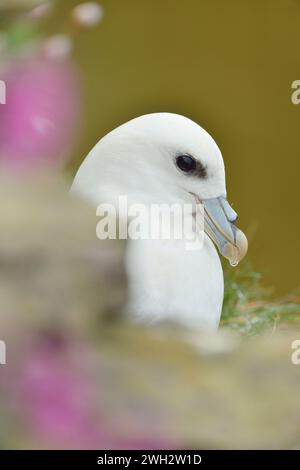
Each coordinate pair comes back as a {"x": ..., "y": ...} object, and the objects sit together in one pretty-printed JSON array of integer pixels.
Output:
[{"x": 167, "y": 158}]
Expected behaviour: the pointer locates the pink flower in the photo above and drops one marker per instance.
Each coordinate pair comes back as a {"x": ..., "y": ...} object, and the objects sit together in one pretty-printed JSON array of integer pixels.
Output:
[
  {"x": 55, "y": 396},
  {"x": 38, "y": 122},
  {"x": 58, "y": 398}
]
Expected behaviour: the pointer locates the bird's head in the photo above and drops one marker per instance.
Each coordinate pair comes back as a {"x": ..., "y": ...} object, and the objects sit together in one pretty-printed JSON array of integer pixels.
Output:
[{"x": 164, "y": 158}]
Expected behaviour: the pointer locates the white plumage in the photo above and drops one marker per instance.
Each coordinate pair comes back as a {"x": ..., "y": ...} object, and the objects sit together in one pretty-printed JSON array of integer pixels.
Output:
[{"x": 140, "y": 160}]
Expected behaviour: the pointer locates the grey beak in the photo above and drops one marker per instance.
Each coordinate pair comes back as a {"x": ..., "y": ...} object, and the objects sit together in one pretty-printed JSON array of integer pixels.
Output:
[{"x": 219, "y": 219}]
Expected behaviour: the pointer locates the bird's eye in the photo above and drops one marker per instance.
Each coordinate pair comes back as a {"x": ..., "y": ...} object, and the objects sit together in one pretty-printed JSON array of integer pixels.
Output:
[{"x": 186, "y": 163}]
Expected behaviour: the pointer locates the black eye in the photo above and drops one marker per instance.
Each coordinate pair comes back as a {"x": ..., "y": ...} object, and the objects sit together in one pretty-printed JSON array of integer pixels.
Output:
[{"x": 186, "y": 163}]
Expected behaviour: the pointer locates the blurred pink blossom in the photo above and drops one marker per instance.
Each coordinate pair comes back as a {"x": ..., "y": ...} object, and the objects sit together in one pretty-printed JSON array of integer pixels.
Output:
[
  {"x": 61, "y": 403},
  {"x": 88, "y": 14},
  {"x": 39, "y": 120},
  {"x": 56, "y": 397}
]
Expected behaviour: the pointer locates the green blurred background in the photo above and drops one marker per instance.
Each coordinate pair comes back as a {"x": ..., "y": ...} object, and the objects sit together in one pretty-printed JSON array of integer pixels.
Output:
[{"x": 227, "y": 64}]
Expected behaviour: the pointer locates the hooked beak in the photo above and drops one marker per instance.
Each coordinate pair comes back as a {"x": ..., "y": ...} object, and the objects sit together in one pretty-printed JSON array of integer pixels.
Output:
[{"x": 219, "y": 218}]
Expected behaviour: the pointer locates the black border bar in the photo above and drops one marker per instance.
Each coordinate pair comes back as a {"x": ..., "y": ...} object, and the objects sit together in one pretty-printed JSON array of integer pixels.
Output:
[{"x": 144, "y": 458}]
